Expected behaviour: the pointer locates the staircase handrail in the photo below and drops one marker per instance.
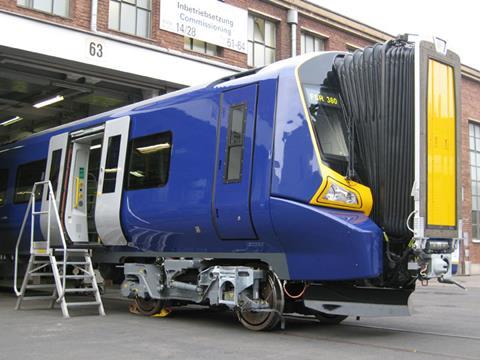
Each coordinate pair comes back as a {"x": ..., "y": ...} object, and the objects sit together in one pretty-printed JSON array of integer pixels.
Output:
[{"x": 31, "y": 210}]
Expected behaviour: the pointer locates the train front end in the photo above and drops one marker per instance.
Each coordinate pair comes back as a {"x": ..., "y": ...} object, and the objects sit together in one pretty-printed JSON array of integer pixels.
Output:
[
  {"x": 368, "y": 170},
  {"x": 364, "y": 197}
]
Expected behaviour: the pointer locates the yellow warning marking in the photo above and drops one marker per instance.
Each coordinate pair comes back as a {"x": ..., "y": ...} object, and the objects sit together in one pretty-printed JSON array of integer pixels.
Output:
[{"x": 441, "y": 151}]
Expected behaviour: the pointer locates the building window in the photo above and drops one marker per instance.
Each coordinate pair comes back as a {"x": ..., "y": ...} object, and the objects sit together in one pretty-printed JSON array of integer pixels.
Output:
[
  {"x": 130, "y": 16},
  {"x": 3, "y": 185},
  {"x": 54, "y": 7},
  {"x": 235, "y": 140},
  {"x": 27, "y": 175},
  {"x": 475, "y": 175},
  {"x": 149, "y": 161},
  {"x": 262, "y": 41},
  {"x": 201, "y": 47},
  {"x": 311, "y": 43}
]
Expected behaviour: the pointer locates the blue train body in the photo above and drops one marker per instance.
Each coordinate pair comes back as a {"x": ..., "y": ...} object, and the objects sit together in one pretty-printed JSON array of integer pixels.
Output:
[
  {"x": 243, "y": 193},
  {"x": 268, "y": 215}
]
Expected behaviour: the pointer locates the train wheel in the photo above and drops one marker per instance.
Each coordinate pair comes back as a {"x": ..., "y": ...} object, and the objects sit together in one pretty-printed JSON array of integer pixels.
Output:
[
  {"x": 329, "y": 318},
  {"x": 149, "y": 307},
  {"x": 271, "y": 291}
]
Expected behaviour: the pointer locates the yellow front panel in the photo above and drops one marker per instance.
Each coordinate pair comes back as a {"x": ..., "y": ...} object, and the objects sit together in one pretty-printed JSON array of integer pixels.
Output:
[{"x": 441, "y": 152}]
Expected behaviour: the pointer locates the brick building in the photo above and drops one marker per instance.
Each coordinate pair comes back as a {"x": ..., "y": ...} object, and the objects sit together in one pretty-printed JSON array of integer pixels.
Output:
[{"x": 105, "y": 53}]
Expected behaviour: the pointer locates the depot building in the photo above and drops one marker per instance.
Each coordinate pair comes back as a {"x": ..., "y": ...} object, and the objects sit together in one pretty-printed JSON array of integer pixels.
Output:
[{"x": 83, "y": 57}]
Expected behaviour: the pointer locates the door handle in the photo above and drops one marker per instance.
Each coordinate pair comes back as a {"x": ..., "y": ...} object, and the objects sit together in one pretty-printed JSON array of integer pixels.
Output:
[{"x": 4, "y": 218}]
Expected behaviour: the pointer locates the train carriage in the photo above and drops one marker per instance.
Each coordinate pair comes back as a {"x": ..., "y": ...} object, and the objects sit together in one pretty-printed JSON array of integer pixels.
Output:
[{"x": 266, "y": 192}]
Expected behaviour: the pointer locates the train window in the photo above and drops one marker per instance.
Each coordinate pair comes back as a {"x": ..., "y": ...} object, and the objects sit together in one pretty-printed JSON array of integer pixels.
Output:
[
  {"x": 27, "y": 175},
  {"x": 111, "y": 164},
  {"x": 322, "y": 95},
  {"x": 235, "y": 138},
  {"x": 3, "y": 185},
  {"x": 149, "y": 162},
  {"x": 55, "y": 169}
]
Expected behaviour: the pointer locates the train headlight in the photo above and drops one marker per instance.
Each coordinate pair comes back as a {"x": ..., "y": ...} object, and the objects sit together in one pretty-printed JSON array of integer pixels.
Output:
[{"x": 338, "y": 193}]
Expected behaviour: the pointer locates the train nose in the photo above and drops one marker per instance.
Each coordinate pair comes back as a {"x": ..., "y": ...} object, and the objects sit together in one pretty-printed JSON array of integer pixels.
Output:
[{"x": 327, "y": 244}]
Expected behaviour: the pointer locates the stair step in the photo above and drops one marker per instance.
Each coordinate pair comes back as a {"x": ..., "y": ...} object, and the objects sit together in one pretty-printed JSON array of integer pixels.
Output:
[
  {"x": 86, "y": 245},
  {"x": 40, "y": 274},
  {"x": 41, "y": 286},
  {"x": 75, "y": 290},
  {"x": 41, "y": 262},
  {"x": 33, "y": 298},
  {"x": 74, "y": 263},
  {"x": 39, "y": 212},
  {"x": 79, "y": 277},
  {"x": 84, "y": 303},
  {"x": 69, "y": 250}
]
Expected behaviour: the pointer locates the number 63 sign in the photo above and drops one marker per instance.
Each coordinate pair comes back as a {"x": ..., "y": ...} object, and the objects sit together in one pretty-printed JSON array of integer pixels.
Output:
[{"x": 95, "y": 49}]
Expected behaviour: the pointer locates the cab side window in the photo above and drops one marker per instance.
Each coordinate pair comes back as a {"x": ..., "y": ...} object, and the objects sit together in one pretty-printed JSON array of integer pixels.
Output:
[
  {"x": 27, "y": 175},
  {"x": 149, "y": 161},
  {"x": 3, "y": 186},
  {"x": 235, "y": 143}
]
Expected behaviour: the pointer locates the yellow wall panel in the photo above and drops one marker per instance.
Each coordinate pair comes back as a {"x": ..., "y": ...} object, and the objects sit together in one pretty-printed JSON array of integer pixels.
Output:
[{"x": 441, "y": 142}]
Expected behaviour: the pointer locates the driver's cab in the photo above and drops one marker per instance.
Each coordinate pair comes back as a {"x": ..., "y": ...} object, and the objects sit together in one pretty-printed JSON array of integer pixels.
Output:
[{"x": 86, "y": 170}]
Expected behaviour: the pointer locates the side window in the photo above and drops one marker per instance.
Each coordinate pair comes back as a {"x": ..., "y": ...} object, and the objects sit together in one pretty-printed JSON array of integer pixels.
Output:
[
  {"x": 149, "y": 161},
  {"x": 235, "y": 139},
  {"x": 55, "y": 169},
  {"x": 111, "y": 164},
  {"x": 27, "y": 175},
  {"x": 3, "y": 185}
]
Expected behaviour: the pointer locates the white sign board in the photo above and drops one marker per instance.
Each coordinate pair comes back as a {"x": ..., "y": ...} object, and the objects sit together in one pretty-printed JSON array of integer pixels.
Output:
[{"x": 208, "y": 20}]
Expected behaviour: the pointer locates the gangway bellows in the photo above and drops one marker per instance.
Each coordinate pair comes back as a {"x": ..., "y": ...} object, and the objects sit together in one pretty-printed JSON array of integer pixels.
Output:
[{"x": 44, "y": 256}]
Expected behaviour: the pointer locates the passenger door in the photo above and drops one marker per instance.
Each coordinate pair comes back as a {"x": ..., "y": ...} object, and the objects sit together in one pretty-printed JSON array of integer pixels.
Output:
[
  {"x": 110, "y": 182},
  {"x": 231, "y": 202},
  {"x": 54, "y": 172}
]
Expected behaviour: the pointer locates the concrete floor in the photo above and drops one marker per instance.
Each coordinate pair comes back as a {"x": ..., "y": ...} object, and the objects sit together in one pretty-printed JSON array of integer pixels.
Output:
[{"x": 446, "y": 325}]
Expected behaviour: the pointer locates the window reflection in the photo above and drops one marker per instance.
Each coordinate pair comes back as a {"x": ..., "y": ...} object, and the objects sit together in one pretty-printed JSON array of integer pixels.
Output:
[
  {"x": 27, "y": 175},
  {"x": 149, "y": 161}
]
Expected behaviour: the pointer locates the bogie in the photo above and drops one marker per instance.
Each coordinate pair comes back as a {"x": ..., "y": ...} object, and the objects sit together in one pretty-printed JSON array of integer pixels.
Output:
[{"x": 255, "y": 294}]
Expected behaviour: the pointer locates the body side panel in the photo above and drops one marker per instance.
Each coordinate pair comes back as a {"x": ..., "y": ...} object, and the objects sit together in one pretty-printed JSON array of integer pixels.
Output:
[{"x": 327, "y": 244}]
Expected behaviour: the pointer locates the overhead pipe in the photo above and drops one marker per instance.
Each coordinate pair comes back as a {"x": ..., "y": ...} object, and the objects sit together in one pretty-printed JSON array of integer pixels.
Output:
[
  {"x": 292, "y": 19},
  {"x": 93, "y": 17}
]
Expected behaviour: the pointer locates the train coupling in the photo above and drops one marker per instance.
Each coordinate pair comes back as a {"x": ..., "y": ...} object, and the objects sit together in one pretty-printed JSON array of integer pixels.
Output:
[{"x": 434, "y": 260}]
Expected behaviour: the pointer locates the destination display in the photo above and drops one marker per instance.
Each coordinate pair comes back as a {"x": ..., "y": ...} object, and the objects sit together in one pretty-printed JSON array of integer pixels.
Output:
[{"x": 323, "y": 97}]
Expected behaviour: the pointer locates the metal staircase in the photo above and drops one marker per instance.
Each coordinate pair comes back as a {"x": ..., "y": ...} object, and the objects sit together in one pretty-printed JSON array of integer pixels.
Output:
[{"x": 52, "y": 269}]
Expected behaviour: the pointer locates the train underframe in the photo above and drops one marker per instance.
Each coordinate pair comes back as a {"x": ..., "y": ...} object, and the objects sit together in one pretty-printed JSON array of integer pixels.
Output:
[{"x": 254, "y": 292}]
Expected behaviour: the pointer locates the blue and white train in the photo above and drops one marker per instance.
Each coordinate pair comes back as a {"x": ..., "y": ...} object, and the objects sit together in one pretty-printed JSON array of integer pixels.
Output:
[{"x": 242, "y": 193}]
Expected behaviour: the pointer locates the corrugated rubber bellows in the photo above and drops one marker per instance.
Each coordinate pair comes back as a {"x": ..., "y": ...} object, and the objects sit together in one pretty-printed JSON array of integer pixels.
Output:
[{"x": 377, "y": 87}]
